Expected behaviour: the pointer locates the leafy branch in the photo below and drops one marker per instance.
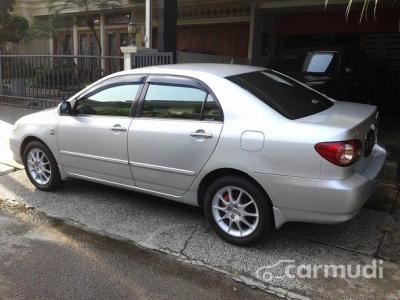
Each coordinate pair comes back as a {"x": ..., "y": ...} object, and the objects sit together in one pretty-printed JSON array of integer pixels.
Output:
[
  {"x": 12, "y": 27},
  {"x": 366, "y": 6}
]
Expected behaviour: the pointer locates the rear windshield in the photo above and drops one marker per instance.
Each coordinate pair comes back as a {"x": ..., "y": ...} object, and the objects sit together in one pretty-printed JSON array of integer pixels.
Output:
[{"x": 283, "y": 94}]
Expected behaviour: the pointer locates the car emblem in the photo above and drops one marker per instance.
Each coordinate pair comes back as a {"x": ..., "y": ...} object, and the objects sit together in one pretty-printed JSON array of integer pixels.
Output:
[{"x": 314, "y": 101}]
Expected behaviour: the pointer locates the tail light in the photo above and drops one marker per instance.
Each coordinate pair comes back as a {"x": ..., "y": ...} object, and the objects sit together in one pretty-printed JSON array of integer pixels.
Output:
[{"x": 342, "y": 154}]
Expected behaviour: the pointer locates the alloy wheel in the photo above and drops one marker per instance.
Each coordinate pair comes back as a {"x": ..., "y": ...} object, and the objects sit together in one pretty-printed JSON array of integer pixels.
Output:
[
  {"x": 235, "y": 211},
  {"x": 39, "y": 166}
]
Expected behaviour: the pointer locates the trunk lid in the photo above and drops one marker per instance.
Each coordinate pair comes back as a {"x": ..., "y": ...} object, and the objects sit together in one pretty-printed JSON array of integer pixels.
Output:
[{"x": 353, "y": 121}]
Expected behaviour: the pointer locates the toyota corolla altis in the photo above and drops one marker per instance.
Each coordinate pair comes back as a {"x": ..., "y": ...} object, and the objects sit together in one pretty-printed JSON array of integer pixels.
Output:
[{"x": 253, "y": 147}]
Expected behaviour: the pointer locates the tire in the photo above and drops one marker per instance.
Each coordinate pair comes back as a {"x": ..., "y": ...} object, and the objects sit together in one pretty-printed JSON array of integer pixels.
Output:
[
  {"x": 252, "y": 203},
  {"x": 39, "y": 160}
]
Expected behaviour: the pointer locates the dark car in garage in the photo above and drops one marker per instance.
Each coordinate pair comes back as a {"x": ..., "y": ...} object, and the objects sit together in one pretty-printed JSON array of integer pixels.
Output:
[{"x": 341, "y": 73}]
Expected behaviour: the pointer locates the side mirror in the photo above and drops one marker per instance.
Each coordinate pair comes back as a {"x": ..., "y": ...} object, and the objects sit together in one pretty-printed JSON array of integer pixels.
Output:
[{"x": 65, "y": 109}]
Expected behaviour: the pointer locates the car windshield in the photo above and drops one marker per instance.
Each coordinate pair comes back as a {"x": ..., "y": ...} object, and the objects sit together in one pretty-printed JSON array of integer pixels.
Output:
[
  {"x": 282, "y": 93},
  {"x": 307, "y": 62}
]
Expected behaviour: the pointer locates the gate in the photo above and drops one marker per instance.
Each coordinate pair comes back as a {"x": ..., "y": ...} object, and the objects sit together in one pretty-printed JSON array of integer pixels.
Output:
[{"x": 43, "y": 81}]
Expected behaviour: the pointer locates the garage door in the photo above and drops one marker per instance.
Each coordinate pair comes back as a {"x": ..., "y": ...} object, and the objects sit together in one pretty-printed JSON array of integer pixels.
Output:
[{"x": 220, "y": 39}]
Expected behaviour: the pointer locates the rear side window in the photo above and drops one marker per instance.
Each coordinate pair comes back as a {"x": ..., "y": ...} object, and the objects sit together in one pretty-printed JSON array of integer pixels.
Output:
[
  {"x": 211, "y": 111},
  {"x": 282, "y": 94},
  {"x": 173, "y": 101}
]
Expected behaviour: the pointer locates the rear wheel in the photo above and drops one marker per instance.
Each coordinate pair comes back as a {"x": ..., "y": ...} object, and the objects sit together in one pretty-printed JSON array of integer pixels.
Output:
[
  {"x": 41, "y": 166},
  {"x": 237, "y": 210}
]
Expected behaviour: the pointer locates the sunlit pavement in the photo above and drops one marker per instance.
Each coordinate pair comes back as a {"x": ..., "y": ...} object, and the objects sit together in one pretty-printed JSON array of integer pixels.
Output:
[
  {"x": 7, "y": 163},
  {"x": 8, "y": 116},
  {"x": 182, "y": 232}
]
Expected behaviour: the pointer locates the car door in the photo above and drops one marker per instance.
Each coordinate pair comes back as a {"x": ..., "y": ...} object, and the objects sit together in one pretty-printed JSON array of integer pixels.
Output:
[
  {"x": 176, "y": 130},
  {"x": 93, "y": 141}
]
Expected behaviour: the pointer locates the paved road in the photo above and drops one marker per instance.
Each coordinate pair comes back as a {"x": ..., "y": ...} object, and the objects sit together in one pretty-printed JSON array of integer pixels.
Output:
[
  {"x": 41, "y": 258},
  {"x": 182, "y": 232}
]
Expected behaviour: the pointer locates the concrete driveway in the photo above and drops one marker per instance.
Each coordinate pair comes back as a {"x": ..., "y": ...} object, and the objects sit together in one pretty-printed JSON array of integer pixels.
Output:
[
  {"x": 43, "y": 258},
  {"x": 182, "y": 232}
]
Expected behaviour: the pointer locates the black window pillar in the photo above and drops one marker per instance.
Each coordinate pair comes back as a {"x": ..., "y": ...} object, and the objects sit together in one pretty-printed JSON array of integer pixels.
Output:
[{"x": 167, "y": 16}]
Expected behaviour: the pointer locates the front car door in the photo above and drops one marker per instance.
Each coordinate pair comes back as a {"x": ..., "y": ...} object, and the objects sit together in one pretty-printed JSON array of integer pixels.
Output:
[
  {"x": 175, "y": 131},
  {"x": 93, "y": 142}
]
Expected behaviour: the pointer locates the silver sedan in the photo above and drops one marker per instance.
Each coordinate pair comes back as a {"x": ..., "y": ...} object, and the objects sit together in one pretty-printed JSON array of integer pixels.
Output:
[{"x": 254, "y": 148}]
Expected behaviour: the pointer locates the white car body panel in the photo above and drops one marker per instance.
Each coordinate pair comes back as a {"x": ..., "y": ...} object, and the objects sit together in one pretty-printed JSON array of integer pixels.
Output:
[
  {"x": 89, "y": 147},
  {"x": 161, "y": 148}
]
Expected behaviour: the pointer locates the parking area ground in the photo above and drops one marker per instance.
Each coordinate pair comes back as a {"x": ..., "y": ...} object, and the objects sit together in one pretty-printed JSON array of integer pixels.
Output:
[
  {"x": 43, "y": 258},
  {"x": 181, "y": 231}
]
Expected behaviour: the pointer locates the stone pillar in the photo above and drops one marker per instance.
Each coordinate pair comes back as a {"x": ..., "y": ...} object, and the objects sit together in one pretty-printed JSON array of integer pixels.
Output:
[{"x": 128, "y": 53}]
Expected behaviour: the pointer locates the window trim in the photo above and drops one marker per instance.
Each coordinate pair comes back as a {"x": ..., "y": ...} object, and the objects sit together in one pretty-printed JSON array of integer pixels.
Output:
[
  {"x": 114, "y": 81},
  {"x": 177, "y": 80}
]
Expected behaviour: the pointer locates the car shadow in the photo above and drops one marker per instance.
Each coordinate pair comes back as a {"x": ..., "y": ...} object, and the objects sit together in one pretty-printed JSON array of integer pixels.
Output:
[{"x": 109, "y": 207}]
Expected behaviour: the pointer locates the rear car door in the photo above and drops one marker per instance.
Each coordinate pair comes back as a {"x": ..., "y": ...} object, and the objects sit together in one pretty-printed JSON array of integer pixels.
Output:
[
  {"x": 93, "y": 142},
  {"x": 176, "y": 130}
]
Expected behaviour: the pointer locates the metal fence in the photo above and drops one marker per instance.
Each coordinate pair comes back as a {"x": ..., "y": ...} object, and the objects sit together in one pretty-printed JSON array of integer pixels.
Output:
[
  {"x": 45, "y": 80},
  {"x": 42, "y": 81},
  {"x": 146, "y": 59}
]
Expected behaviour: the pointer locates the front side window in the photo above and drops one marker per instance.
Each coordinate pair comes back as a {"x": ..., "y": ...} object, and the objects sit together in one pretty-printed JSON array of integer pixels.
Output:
[
  {"x": 113, "y": 100},
  {"x": 282, "y": 93},
  {"x": 173, "y": 101}
]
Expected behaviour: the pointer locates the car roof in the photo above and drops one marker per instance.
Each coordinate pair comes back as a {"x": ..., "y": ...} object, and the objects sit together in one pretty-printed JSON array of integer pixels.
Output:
[{"x": 220, "y": 70}]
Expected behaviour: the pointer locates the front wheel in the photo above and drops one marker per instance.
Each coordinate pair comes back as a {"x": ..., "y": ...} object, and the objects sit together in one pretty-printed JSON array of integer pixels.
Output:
[
  {"x": 41, "y": 166},
  {"x": 238, "y": 210}
]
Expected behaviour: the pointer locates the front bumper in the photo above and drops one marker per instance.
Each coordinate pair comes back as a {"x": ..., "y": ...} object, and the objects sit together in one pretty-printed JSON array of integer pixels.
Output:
[
  {"x": 15, "y": 147},
  {"x": 297, "y": 199}
]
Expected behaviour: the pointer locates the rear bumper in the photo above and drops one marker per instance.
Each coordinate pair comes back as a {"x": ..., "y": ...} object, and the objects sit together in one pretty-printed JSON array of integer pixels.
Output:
[{"x": 297, "y": 199}]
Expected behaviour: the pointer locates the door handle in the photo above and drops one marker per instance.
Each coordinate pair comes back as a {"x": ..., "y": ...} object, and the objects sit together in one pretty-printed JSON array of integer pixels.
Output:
[
  {"x": 201, "y": 134},
  {"x": 118, "y": 128}
]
